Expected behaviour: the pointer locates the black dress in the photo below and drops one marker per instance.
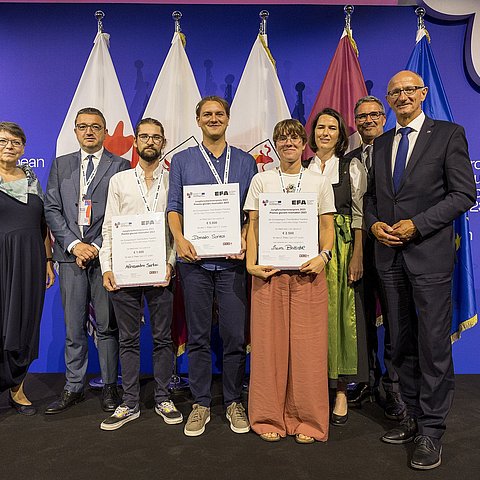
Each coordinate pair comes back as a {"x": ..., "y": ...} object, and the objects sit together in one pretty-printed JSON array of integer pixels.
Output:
[{"x": 22, "y": 285}]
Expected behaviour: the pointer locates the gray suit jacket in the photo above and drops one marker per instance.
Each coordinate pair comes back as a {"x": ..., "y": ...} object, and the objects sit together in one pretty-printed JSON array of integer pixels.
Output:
[{"x": 63, "y": 193}]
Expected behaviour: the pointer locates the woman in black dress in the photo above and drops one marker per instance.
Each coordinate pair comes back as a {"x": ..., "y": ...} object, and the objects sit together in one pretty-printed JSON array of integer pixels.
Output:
[{"x": 25, "y": 263}]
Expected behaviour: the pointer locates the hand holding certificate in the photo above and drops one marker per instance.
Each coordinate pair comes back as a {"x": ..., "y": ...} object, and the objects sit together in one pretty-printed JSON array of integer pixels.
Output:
[
  {"x": 288, "y": 229},
  {"x": 211, "y": 217},
  {"x": 138, "y": 249}
]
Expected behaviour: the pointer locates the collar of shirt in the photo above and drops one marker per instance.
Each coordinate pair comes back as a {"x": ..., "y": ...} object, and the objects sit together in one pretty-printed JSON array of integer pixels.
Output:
[
  {"x": 212, "y": 156},
  {"x": 156, "y": 173},
  {"x": 330, "y": 170},
  {"x": 415, "y": 124},
  {"x": 96, "y": 156}
]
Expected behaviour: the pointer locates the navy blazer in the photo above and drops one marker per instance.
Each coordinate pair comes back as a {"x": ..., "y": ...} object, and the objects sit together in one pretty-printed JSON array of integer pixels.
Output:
[
  {"x": 437, "y": 186},
  {"x": 62, "y": 196}
]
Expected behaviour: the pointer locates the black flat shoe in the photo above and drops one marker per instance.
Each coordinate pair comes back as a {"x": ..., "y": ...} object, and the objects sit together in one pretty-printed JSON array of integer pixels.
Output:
[
  {"x": 404, "y": 433},
  {"x": 67, "y": 399},
  {"x": 27, "y": 410},
  {"x": 427, "y": 453},
  {"x": 338, "y": 420},
  {"x": 394, "y": 407}
]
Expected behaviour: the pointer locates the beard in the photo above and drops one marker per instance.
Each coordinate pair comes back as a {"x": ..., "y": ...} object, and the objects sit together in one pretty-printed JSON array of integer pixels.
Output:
[{"x": 149, "y": 155}]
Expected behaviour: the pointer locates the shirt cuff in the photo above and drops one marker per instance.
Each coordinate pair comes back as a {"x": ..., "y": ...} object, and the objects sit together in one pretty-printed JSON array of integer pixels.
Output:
[{"x": 70, "y": 247}]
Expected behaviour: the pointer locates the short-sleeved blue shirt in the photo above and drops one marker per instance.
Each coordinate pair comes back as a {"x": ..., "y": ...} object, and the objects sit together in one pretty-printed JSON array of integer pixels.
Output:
[{"x": 188, "y": 167}]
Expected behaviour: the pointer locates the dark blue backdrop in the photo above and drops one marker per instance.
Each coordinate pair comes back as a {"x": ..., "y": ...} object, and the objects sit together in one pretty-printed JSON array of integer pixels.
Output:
[{"x": 45, "y": 47}]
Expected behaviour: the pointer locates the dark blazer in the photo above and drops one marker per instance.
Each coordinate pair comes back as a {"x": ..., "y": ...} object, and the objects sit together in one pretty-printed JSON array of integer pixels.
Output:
[
  {"x": 437, "y": 187},
  {"x": 62, "y": 196}
]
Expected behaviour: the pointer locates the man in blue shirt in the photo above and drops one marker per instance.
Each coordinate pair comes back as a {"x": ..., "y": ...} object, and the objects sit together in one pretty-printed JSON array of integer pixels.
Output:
[{"x": 204, "y": 279}]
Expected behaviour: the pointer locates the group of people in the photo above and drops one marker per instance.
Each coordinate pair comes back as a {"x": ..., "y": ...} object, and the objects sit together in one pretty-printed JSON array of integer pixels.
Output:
[{"x": 384, "y": 234}]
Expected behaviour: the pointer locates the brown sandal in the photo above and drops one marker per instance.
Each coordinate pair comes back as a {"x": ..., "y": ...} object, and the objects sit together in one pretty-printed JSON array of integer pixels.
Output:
[{"x": 270, "y": 437}]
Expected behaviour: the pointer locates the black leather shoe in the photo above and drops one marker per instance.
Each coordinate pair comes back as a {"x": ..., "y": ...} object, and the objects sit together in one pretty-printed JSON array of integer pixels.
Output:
[
  {"x": 361, "y": 392},
  {"x": 404, "y": 433},
  {"x": 67, "y": 399},
  {"x": 338, "y": 420},
  {"x": 394, "y": 406},
  {"x": 27, "y": 410},
  {"x": 110, "y": 397},
  {"x": 427, "y": 453}
]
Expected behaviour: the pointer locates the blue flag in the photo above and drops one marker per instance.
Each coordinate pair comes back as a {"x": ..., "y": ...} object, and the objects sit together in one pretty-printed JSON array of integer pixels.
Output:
[{"x": 436, "y": 106}]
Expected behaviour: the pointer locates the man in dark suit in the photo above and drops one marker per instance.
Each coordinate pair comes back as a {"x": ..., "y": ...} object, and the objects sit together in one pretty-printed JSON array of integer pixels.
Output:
[
  {"x": 422, "y": 180},
  {"x": 370, "y": 120},
  {"x": 74, "y": 209}
]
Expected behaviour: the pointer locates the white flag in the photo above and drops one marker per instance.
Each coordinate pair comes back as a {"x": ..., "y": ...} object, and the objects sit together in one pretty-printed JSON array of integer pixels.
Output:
[
  {"x": 99, "y": 88},
  {"x": 259, "y": 104},
  {"x": 174, "y": 98}
]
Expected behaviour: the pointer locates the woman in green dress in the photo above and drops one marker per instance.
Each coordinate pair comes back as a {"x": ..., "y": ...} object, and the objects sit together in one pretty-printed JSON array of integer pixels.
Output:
[{"x": 347, "y": 351}]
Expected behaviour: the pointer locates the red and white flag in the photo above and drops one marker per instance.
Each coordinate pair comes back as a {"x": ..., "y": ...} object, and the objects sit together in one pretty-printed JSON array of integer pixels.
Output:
[
  {"x": 342, "y": 86},
  {"x": 174, "y": 98},
  {"x": 172, "y": 102},
  {"x": 259, "y": 104},
  {"x": 99, "y": 87}
]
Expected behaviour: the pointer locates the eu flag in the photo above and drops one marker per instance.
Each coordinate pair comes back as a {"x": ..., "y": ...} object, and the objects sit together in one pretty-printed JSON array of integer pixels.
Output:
[{"x": 437, "y": 107}]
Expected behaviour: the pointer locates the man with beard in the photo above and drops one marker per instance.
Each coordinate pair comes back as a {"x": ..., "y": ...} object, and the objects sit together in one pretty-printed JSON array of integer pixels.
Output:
[
  {"x": 205, "y": 279},
  {"x": 141, "y": 190}
]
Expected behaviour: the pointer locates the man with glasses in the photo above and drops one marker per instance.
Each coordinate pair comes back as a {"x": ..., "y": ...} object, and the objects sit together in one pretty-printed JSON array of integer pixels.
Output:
[
  {"x": 74, "y": 209},
  {"x": 422, "y": 180},
  {"x": 142, "y": 190},
  {"x": 224, "y": 279},
  {"x": 370, "y": 120}
]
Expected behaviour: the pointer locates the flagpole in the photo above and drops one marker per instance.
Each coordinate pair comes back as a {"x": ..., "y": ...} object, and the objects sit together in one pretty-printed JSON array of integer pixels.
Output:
[
  {"x": 420, "y": 13},
  {"x": 176, "y": 381},
  {"x": 99, "y": 15},
  {"x": 264, "y": 14},
  {"x": 348, "y": 9},
  {"x": 176, "y": 15}
]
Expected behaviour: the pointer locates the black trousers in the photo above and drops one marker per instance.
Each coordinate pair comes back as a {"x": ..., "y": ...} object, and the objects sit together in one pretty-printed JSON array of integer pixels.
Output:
[
  {"x": 419, "y": 309},
  {"x": 200, "y": 286},
  {"x": 372, "y": 289},
  {"x": 128, "y": 305}
]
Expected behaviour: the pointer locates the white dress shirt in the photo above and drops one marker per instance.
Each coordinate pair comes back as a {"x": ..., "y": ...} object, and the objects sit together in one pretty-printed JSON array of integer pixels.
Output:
[
  {"x": 358, "y": 183},
  {"x": 415, "y": 125},
  {"x": 124, "y": 198},
  {"x": 83, "y": 190}
]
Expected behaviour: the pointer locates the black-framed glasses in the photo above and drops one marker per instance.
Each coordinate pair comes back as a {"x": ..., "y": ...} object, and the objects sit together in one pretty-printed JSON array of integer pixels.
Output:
[
  {"x": 362, "y": 117},
  {"x": 408, "y": 91},
  {"x": 157, "y": 139},
  {"x": 95, "y": 127},
  {"x": 15, "y": 143}
]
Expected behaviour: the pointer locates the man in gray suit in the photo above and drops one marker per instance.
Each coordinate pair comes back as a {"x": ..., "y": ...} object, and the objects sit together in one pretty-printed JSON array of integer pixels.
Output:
[{"x": 74, "y": 209}]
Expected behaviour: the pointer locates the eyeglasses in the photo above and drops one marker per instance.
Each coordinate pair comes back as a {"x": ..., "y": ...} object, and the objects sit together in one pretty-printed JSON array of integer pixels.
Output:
[
  {"x": 95, "y": 127},
  {"x": 15, "y": 143},
  {"x": 362, "y": 117},
  {"x": 294, "y": 138},
  {"x": 409, "y": 91},
  {"x": 157, "y": 139}
]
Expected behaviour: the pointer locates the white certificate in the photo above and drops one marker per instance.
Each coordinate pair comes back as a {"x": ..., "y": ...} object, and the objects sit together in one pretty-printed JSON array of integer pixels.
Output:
[
  {"x": 288, "y": 229},
  {"x": 211, "y": 219},
  {"x": 138, "y": 249}
]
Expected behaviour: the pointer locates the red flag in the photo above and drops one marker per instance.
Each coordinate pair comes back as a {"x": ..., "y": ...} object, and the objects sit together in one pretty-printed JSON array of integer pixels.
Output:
[{"x": 342, "y": 86}]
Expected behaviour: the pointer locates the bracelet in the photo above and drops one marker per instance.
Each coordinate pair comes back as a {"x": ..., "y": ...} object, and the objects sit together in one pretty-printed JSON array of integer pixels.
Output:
[
  {"x": 328, "y": 255},
  {"x": 49, "y": 259}
]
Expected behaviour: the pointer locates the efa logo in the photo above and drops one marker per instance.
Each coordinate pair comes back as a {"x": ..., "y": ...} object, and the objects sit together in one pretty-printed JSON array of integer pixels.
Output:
[
  {"x": 221, "y": 193},
  {"x": 299, "y": 202}
]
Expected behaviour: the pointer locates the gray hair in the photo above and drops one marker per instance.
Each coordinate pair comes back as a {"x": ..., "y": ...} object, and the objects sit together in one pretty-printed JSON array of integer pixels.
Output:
[{"x": 369, "y": 98}]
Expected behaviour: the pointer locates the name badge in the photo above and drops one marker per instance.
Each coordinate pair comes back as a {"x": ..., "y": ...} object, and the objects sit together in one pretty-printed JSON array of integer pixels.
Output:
[{"x": 85, "y": 212}]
